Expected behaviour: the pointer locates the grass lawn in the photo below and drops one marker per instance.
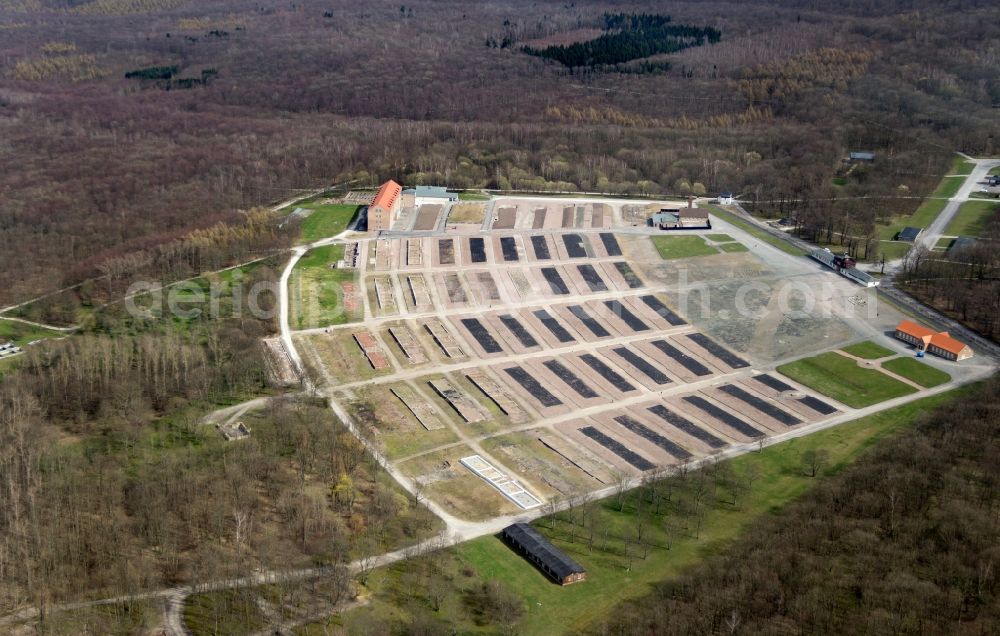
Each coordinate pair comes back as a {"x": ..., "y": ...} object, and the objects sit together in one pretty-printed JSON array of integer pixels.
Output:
[
  {"x": 943, "y": 243},
  {"x": 892, "y": 250},
  {"x": 21, "y": 334},
  {"x": 720, "y": 238},
  {"x": 841, "y": 378},
  {"x": 868, "y": 350},
  {"x": 912, "y": 369},
  {"x": 972, "y": 218},
  {"x": 960, "y": 166},
  {"x": 467, "y": 213},
  {"x": 948, "y": 187},
  {"x": 316, "y": 291},
  {"x": 682, "y": 246},
  {"x": 397, "y": 593},
  {"x": 326, "y": 220},
  {"x": 755, "y": 231},
  {"x": 734, "y": 247},
  {"x": 922, "y": 217},
  {"x": 473, "y": 196}
]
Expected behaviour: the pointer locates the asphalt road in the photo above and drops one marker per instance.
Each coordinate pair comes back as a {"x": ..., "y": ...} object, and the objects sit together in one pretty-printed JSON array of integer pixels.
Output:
[{"x": 929, "y": 237}]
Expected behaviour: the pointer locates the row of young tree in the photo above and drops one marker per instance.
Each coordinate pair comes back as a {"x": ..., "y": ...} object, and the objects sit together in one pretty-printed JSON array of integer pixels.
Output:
[{"x": 905, "y": 540}]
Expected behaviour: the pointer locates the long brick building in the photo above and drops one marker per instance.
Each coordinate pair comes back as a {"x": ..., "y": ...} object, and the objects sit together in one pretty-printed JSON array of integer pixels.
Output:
[
  {"x": 385, "y": 206},
  {"x": 938, "y": 343}
]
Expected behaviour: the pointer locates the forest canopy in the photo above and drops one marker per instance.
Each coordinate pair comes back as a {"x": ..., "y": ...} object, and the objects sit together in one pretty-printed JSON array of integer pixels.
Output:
[{"x": 629, "y": 37}]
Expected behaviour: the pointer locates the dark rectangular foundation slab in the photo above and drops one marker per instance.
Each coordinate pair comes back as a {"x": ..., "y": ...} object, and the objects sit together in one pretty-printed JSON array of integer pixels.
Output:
[{"x": 617, "y": 448}]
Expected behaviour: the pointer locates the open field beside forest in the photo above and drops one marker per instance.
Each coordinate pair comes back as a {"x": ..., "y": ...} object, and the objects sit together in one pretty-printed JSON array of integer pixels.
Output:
[{"x": 972, "y": 218}]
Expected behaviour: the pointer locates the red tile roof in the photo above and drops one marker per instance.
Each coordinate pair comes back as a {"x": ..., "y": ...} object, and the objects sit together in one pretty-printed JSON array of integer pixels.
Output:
[
  {"x": 387, "y": 194},
  {"x": 929, "y": 336},
  {"x": 946, "y": 342},
  {"x": 913, "y": 329}
]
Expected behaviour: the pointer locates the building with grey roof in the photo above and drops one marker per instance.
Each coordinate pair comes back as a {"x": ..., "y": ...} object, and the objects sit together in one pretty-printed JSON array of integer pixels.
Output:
[{"x": 552, "y": 561}]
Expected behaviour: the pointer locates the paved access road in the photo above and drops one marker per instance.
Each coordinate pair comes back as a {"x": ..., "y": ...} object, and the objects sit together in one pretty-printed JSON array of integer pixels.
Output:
[{"x": 929, "y": 237}]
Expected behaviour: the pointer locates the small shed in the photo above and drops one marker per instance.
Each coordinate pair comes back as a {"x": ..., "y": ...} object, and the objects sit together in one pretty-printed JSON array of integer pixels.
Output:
[
  {"x": 909, "y": 234},
  {"x": 961, "y": 243},
  {"x": 862, "y": 155},
  {"x": 549, "y": 559}
]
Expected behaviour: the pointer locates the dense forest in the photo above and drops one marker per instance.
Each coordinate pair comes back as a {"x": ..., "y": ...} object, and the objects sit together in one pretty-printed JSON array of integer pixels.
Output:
[
  {"x": 629, "y": 37},
  {"x": 95, "y": 165},
  {"x": 905, "y": 541}
]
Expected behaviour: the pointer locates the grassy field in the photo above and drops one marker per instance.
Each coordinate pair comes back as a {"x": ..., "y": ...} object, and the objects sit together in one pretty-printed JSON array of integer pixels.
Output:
[
  {"x": 972, "y": 218},
  {"x": 316, "y": 290},
  {"x": 755, "y": 231},
  {"x": 473, "y": 196},
  {"x": 912, "y": 369},
  {"x": 397, "y": 594},
  {"x": 960, "y": 166},
  {"x": 734, "y": 247},
  {"x": 720, "y": 238},
  {"x": 868, "y": 350},
  {"x": 841, "y": 378},
  {"x": 893, "y": 250},
  {"x": 214, "y": 294},
  {"x": 467, "y": 213},
  {"x": 948, "y": 187},
  {"x": 682, "y": 246},
  {"x": 922, "y": 217},
  {"x": 21, "y": 334},
  {"x": 326, "y": 220}
]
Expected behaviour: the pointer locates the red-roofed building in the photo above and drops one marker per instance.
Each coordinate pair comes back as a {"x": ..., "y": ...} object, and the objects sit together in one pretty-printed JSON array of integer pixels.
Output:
[
  {"x": 938, "y": 343},
  {"x": 385, "y": 205}
]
